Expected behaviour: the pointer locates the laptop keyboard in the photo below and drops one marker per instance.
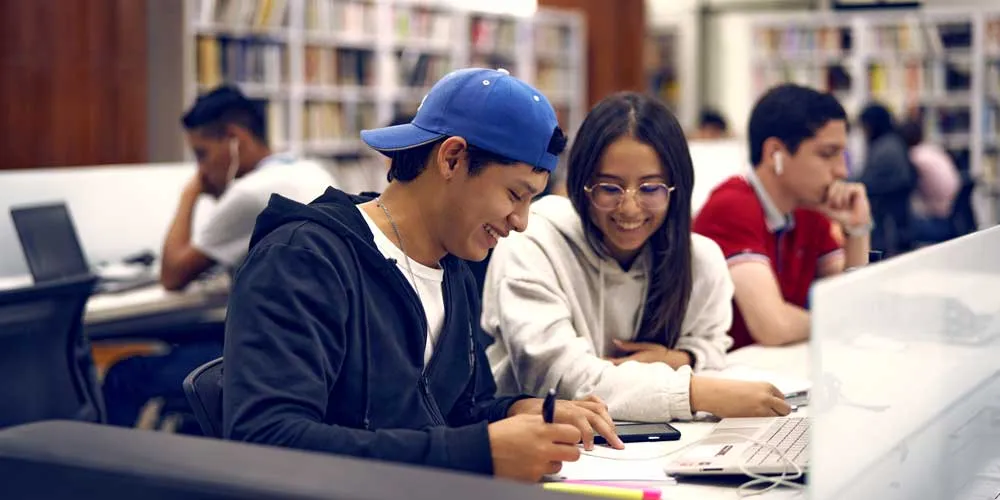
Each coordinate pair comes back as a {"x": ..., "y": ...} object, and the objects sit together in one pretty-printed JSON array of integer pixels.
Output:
[{"x": 790, "y": 436}]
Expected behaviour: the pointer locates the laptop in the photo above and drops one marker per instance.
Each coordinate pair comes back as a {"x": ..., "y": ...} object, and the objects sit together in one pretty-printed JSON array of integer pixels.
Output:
[
  {"x": 52, "y": 248},
  {"x": 734, "y": 442}
]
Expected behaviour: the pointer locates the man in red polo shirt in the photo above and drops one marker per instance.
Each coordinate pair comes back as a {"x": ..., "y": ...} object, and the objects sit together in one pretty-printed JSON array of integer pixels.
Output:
[{"x": 774, "y": 223}]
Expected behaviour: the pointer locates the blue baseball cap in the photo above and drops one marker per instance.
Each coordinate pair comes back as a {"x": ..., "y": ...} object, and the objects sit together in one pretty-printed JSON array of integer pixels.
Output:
[{"x": 489, "y": 108}]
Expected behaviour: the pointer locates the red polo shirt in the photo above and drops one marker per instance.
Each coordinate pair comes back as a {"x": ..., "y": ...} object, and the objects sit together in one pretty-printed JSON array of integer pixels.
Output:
[{"x": 740, "y": 217}]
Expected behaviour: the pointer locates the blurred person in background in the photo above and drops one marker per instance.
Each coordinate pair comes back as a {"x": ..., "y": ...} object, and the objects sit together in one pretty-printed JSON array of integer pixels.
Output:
[
  {"x": 774, "y": 223},
  {"x": 889, "y": 179},
  {"x": 938, "y": 182},
  {"x": 711, "y": 126},
  {"x": 237, "y": 168}
]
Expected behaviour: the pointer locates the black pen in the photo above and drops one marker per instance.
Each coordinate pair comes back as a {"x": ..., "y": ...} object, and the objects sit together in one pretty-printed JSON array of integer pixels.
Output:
[{"x": 549, "y": 406}]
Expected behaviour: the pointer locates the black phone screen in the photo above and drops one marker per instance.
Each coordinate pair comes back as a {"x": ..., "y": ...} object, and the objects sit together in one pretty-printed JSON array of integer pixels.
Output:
[{"x": 635, "y": 432}]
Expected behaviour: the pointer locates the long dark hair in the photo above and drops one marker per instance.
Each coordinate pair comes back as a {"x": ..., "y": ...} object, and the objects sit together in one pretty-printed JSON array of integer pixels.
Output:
[
  {"x": 877, "y": 122},
  {"x": 650, "y": 122}
]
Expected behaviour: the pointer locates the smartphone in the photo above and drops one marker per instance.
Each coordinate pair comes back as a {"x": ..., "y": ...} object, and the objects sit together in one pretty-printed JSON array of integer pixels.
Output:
[{"x": 638, "y": 432}]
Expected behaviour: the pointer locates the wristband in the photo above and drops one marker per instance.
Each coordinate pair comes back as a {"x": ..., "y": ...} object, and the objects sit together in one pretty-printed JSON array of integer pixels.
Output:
[{"x": 860, "y": 230}]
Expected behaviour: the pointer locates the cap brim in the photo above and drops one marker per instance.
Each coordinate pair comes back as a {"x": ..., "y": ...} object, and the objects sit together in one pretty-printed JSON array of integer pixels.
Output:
[{"x": 398, "y": 137}]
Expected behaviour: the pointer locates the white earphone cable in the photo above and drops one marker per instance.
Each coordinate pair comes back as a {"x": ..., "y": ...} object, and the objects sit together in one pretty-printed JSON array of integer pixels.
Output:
[{"x": 791, "y": 471}]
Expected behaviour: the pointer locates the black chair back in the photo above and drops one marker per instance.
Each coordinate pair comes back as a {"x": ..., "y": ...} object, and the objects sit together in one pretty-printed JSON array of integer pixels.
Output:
[
  {"x": 963, "y": 216},
  {"x": 45, "y": 358},
  {"x": 203, "y": 388}
]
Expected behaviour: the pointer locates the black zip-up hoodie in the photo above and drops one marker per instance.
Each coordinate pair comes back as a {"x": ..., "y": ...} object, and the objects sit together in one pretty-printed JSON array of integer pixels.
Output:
[{"x": 325, "y": 344}]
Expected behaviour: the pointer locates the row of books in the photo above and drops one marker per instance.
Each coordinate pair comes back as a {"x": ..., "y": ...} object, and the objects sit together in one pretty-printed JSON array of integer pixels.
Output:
[
  {"x": 991, "y": 124},
  {"x": 329, "y": 66},
  {"x": 553, "y": 79},
  {"x": 277, "y": 122},
  {"x": 491, "y": 34},
  {"x": 341, "y": 16},
  {"x": 904, "y": 37},
  {"x": 553, "y": 39},
  {"x": 422, "y": 23},
  {"x": 243, "y": 13},
  {"x": 418, "y": 69},
  {"x": 326, "y": 120},
  {"x": 798, "y": 40},
  {"x": 992, "y": 38},
  {"x": 946, "y": 125},
  {"x": 246, "y": 60},
  {"x": 920, "y": 77},
  {"x": 992, "y": 78},
  {"x": 335, "y": 66},
  {"x": 833, "y": 78}
]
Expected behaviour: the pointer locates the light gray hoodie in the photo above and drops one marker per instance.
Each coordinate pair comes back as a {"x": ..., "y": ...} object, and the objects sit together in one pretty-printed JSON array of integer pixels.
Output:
[{"x": 554, "y": 306}]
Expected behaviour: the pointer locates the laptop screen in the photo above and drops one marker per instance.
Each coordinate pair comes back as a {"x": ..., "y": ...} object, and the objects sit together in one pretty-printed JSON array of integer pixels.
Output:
[
  {"x": 905, "y": 360},
  {"x": 49, "y": 241}
]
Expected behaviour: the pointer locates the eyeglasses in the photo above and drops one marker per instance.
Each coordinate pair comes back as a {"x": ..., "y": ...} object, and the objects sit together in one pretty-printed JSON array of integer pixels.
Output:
[{"x": 650, "y": 195}]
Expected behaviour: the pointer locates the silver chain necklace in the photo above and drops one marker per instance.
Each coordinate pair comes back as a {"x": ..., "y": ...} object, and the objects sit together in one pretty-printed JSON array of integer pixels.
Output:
[{"x": 378, "y": 201}]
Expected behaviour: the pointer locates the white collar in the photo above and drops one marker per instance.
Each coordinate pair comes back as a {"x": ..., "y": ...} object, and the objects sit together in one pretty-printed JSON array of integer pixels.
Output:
[{"x": 776, "y": 220}]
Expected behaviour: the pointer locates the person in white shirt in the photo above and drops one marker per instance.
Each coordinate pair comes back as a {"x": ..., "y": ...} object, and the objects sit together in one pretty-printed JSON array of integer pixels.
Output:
[
  {"x": 608, "y": 293},
  {"x": 236, "y": 166}
]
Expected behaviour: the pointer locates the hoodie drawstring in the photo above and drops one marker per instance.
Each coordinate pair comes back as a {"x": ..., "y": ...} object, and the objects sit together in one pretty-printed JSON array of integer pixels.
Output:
[
  {"x": 366, "y": 373},
  {"x": 600, "y": 299}
]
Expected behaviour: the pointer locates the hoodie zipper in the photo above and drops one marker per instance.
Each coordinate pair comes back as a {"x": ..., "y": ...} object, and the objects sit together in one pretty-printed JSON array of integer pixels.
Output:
[{"x": 425, "y": 385}]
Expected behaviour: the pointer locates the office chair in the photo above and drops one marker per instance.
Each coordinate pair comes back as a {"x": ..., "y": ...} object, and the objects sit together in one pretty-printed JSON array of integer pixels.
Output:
[
  {"x": 203, "y": 388},
  {"x": 45, "y": 358},
  {"x": 891, "y": 216},
  {"x": 963, "y": 216}
]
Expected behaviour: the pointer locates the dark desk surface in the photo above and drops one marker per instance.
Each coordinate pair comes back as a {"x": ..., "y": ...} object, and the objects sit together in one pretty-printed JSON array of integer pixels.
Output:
[{"x": 76, "y": 460}]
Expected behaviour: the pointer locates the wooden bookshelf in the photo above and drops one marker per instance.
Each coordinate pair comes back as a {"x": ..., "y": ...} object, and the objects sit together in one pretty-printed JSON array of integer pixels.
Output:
[{"x": 326, "y": 69}]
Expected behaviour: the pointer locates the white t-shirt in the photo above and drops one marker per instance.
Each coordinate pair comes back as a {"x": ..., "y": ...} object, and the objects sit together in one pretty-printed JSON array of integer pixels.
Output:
[
  {"x": 429, "y": 285},
  {"x": 225, "y": 237}
]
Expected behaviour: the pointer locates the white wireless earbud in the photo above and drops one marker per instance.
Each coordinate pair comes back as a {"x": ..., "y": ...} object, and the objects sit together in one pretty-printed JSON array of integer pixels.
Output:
[{"x": 778, "y": 167}]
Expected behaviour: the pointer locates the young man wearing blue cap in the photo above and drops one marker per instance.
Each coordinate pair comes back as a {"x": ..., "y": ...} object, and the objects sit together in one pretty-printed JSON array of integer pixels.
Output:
[{"x": 353, "y": 323}]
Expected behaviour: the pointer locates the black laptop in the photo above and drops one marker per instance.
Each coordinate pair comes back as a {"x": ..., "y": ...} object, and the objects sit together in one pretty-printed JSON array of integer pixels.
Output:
[{"x": 53, "y": 252}]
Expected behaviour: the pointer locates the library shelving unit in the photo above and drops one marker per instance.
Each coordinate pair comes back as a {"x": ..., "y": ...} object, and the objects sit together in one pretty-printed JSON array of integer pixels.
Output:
[
  {"x": 326, "y": 69},
  {"x": 989, "y": 28},
  {"x": 930, "y": 65},
  {"x": 814, "y": 50},
  {"x": 672, "y": 66},
  {"x": 556, "y": 62},
  {"x": 661, "y": 65}
]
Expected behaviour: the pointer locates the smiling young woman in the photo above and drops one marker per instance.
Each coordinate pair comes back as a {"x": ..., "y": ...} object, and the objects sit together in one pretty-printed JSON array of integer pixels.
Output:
[{"x": 608, "y": 292}]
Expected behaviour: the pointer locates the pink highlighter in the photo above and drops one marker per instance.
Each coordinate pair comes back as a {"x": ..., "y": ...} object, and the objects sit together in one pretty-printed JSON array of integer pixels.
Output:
[{"x": 647, "y": 493}]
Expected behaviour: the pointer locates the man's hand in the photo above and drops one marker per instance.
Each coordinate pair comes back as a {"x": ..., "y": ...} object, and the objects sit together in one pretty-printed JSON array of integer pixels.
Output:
[
  {"x": 737, "y": 398},
  {"x": 589, "y": 415},
  {"x": 650, "y": 352},
  {"x": 194, "y": 187},
  {"x": 847, "y": 204},
  {"x": 525, "y": 448}
]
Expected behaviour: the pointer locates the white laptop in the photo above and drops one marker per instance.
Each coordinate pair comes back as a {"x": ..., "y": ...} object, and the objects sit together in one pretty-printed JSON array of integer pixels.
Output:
[{"x": 732, "y": 442}]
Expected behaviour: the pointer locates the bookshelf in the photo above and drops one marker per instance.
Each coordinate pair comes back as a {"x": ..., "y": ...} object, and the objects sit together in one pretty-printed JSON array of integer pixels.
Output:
[
  {"x": 556, "y": 62},
  {"x": 931, "y": 65},
  {"x": 989, "y": 40},
  {"x": 672, "y": 66},
  {"x": 326, "y": 69},
  {"x": 662, "y": 66}
]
